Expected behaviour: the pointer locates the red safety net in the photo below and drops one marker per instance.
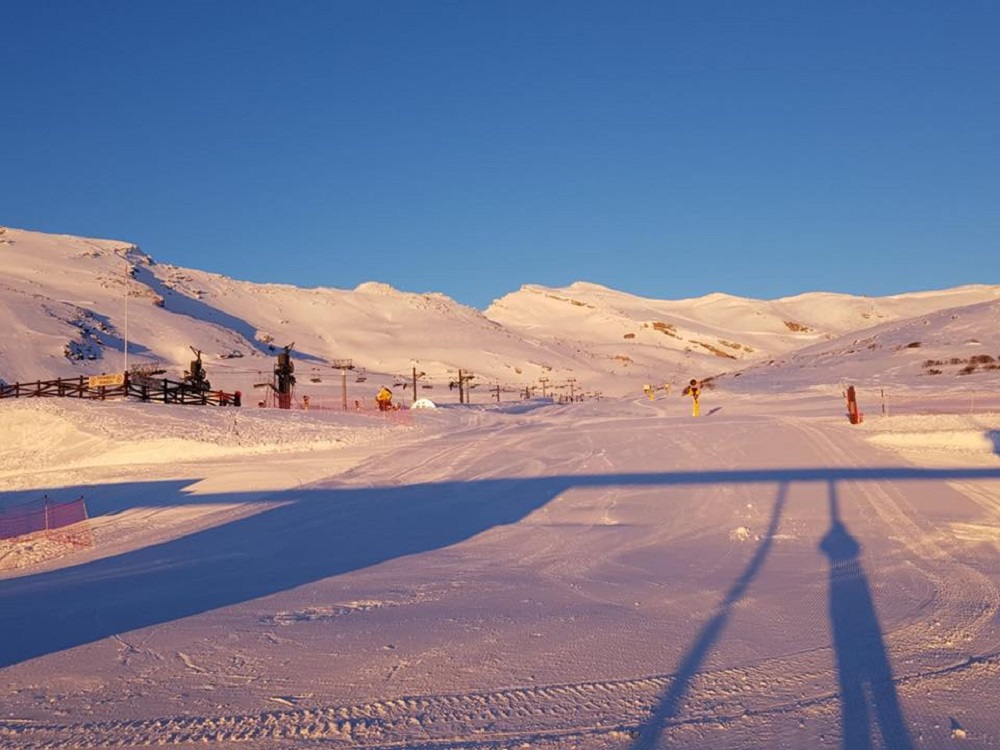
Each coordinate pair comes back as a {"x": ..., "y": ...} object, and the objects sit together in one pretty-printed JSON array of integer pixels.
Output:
[{"x": 41, "y": 515}]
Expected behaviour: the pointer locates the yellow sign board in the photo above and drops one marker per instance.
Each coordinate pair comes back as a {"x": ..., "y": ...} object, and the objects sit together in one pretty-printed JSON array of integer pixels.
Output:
[{"x": 96, "y": 381}]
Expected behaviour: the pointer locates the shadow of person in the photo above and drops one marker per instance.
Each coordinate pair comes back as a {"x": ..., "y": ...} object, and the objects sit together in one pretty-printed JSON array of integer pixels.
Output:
[
  {"x": 311, "y": 535},
  {"x": 863, "y": 669},
  {"x": 649, "y": 734},
  {"x": 315, "y": 533}
]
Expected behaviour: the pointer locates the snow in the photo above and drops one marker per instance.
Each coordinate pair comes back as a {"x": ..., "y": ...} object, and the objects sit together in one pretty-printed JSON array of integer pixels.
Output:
[
  {"x": 595, "y": 574},
  {"x": 969, "y": 435}
]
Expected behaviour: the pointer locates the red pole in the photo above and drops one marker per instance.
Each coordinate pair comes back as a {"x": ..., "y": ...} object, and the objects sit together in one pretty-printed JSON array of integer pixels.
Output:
[{"x": 853, "y": 414}]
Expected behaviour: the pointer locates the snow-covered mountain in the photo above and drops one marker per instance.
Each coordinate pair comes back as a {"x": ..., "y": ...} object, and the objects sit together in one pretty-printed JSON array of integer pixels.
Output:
[
  {"x": 612, "y": 574},
  {"x": 949, "y": 348},
  {"x": 723, "y": 333},
  {"x": 64, "y": 298}
]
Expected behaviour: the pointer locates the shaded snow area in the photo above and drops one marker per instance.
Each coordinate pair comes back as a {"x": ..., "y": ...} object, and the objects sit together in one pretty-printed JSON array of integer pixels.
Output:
[
  {"x": 609, "y": 574},
  {"x": 63, "y": 448},
  {"x": 559, "y": 556}
]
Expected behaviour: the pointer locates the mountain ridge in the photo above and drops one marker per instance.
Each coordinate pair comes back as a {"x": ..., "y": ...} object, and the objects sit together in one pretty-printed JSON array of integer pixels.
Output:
[{"x": 65, "y": 298}]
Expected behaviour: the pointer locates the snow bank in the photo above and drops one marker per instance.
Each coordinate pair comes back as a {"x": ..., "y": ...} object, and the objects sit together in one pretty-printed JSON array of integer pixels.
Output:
[
  {"x": 46, "y": 431},
  {"x": 967, "y": 435},
  {"x": 238, "y": 455}
]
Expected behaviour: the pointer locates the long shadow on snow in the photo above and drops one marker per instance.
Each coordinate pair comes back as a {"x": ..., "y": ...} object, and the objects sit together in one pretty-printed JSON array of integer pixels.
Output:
[
  {"x": 863, "y": 669},
  {"x": 315, "y": 535},
  {"x": 670, "y": 703},
  {"x": 109, "y": 499}
]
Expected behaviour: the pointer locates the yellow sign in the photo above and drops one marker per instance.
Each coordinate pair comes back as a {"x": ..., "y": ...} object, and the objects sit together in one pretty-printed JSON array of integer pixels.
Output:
[{"x": 96, "y": 381}]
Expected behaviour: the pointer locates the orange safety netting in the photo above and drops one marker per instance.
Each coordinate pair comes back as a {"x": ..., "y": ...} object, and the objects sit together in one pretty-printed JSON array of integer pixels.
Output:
[{"x": 39, "y": 516}]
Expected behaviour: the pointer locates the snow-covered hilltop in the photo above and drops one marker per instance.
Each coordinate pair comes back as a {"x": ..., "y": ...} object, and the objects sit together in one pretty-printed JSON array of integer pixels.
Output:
[
  {"x": 65, "y": 300},
  {"x": 612, "y": 574}
]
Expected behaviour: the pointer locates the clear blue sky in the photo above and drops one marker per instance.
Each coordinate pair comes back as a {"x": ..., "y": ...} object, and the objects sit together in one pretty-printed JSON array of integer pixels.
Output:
[{"x": 669, "y": 149}]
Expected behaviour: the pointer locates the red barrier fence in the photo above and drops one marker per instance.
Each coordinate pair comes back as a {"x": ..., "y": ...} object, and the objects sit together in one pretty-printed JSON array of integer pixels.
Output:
[
  {"x": 401, "y": 416},
  {"x": 40, "y": 516}
]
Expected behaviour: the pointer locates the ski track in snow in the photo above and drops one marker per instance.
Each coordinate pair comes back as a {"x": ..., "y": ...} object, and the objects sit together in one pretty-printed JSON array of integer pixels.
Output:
[
  {"x": 946, "y": 642},
  {"x": 964, "y": 603},
  {"x": 589, "y": 712}
]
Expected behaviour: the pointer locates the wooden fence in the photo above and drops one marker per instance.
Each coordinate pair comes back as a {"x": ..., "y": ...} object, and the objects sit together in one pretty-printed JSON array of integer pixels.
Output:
[{"x": 166, "y": 391}]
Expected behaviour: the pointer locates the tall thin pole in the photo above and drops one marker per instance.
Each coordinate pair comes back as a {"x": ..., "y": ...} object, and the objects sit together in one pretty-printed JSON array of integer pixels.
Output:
[{"x": 125, "y": 258}]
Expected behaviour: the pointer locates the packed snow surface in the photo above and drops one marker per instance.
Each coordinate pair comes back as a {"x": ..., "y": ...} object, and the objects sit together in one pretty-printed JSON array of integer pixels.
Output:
[
  {"x": 605, "y": 574},
  {"x": 558, "y": 556}
]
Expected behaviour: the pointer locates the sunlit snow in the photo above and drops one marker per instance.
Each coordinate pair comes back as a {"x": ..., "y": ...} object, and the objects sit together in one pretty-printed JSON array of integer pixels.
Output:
[{"x": 599, "y": 572}]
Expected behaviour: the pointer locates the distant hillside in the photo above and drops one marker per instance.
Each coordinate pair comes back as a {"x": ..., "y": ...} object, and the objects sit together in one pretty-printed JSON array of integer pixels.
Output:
[
  {"x": 721, "y": 333},
  {"x": 957, "y": 347},
  {"x": 66, "y": 310}
]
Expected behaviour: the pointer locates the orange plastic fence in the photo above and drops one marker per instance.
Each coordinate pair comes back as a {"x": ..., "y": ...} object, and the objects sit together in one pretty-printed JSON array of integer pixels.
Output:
[
  {"x": 401, "y": 416},
  {"x": 40, "y": 516}
]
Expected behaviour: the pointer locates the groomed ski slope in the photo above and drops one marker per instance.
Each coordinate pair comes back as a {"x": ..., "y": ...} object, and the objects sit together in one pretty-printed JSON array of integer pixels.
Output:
[{"x": 607, "y": 574}]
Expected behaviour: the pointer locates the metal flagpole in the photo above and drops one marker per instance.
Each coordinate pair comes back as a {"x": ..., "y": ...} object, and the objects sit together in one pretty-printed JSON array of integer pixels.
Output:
[{"x": 125, "y": 258}]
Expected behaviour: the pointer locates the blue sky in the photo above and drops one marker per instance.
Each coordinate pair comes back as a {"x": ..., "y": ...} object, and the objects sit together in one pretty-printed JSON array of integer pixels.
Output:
[{"x": 666, "y": 149}]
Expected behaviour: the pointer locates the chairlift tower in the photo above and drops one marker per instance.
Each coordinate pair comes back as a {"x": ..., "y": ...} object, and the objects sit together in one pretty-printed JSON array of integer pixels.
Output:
[
  {"x": 415, "y": 376},
  {"x": 285, "y": 380},
  {"x": 343, "y": 365},
  {"x": 464, "y": 386}
]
